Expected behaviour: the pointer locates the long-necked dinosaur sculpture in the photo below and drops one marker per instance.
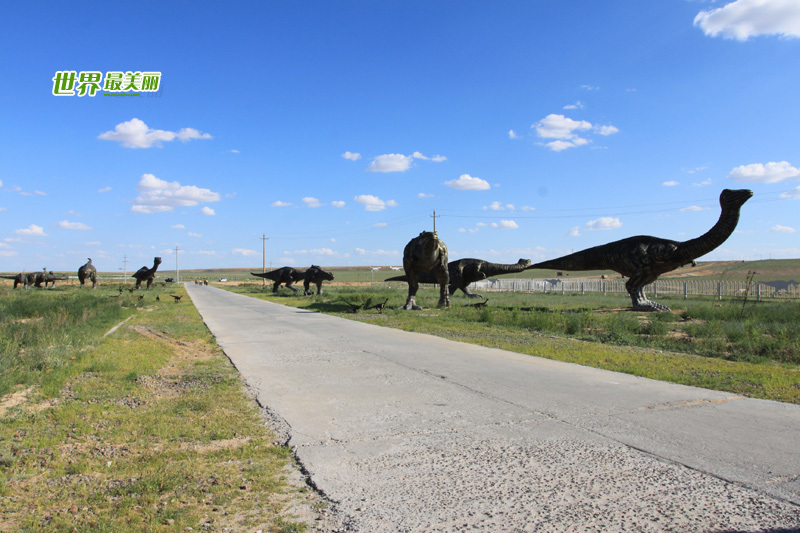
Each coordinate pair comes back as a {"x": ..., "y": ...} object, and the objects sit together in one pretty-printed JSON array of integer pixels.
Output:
[
  {"x": 465, "y": 271},
  {"x": 147, "y": 274},
  {"x": 88, "y": 272},
  {"x": 642, "y": 259},
  {"x": 426, "y": 253},
  {"x": 284, "y": 275}
]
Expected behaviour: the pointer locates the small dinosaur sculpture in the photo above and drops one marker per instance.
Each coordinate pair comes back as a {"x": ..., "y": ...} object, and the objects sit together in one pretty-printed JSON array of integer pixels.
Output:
[
  {"x": 642, "y": 259},
  {"x": 88, "y": 271},
  {"x": 284, "y": 275},
  {"x": 353, "y": 307},
  {"x": 379, "y": 306},
  {"x": 147, "y": 274},
  {"x": 177, "y": 297},
  {"x": 316, "y": 276},
  {"x": 465, "y": 271},
  {"x": 477, "y": 305},
  {"x": 426, "y": 253}
]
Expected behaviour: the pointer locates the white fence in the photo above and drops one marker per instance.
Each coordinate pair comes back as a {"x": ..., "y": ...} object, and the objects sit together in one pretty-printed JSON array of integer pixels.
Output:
[{"x": 720, "y": 289}]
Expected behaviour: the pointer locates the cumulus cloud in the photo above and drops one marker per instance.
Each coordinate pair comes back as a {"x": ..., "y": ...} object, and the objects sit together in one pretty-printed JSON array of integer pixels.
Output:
[
  {"x": 310, "y": 201},
  {"x": 438, "y": 158},
  {"x": 671, "y": 183},
  {"x": 208, "y": 211},
  {"x": 777, "y": 228},
  {"x": 566, "y": 131},
  {"x": 373, "y": 203},
  {"x": 505, "y": 224},
  {"x": 390, "y": 163},
  {"x": 497, "y": 206},
  {"x": 465, "y": 182},
  {"x": 64, "y": 224},
  {"x": 603, "y": 223},
  {"x": 352, "y": 156},
  {"x": 245, "y": 252},
  {"x": 136, "y": 134},
  {"x": 338, "y": 203},
  {"x": 104, "y": 189},
  {"x": 31, "y": 231},
  {"x": 512, "y": 135},
  {"x": 158, "y": 196},
  {"x": 743, "y": 19},
  {"x": 278, "y": 203},
  {"x": 576, "y": 105},
  {"x": 424, "y": 195},
  {"x": 770, "y": 173},
  {"x": 574, "y": 232}
]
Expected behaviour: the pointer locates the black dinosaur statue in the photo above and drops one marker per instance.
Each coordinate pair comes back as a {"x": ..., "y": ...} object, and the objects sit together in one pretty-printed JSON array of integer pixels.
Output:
[
  {"x": 465, "y": 271},
  {"x": 642, "y": 259},
  {"x": 779, "y": 285},
  {"x": 88, "y": 272},
  {"x": 426, "y": 253},
  {"x": 34, "y": 279},
  {"x": 147, "y": 274},
  {"x": 21, "y": 279},
  {"x": 316, "y": 276},
  {"x": 284, "y": 275}
]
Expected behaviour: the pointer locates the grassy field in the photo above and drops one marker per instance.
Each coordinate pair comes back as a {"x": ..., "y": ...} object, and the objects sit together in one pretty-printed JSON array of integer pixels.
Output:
[
  {"x": 746, "y": 347},
  {"x": 146, "y": 429}
]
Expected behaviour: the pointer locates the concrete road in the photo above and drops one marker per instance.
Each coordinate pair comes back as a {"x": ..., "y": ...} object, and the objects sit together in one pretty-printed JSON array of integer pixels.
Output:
[{"x": 407, "y": 432}]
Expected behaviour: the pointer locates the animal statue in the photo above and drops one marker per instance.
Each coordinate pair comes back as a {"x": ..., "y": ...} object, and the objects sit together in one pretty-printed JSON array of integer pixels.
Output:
[
  {"x": 147, "y": 274},
  {"x": 779, "y": 285},
  {"x": 21, "y": 279},
  {"x": 426, "y": 253},
  {"x": 88, "y": 271},
  {"x": 46, "y": 278},
  {"x": 642, "y": 259},
  {"x": 316, "y": 276},
  {"x": 465, "y": 271},
  {"x": 284, "y": 275}
]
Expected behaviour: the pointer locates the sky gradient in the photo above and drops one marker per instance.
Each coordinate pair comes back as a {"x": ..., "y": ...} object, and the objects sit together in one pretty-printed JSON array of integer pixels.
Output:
[{"x": 533, "y": 129}]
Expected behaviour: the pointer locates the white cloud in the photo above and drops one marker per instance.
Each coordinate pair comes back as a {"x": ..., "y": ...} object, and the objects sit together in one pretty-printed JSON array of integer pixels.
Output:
[
  {"x": 770, "y": 173},
  {"x": 391, "y": 203},
  {"x": 505, "y": 224},
  {"x": 244, "y": 251},
  {"x": 380, "y": 225},
  {"x": 574, "y": 232},
  {"x": 566, "y": 131},
  {"x": 104, "y": 189},
  {"x": 703, "y": 183},
  {"x": 777, "y": 228},
  {"x": 418, "y": 155},
  {"x": 158, "y": 196},
  {"x": 693, "y": 208},
  {"x": 743, "y": 19},
  {"x": 603, "y": 223},
  {"x": 338, "y": 203},
  {"x": 424, "y": 195},
  {"x": 512, "y": 135},
  {"x": 196, "y": 235},
  {"x": 438, "y": 158},
  {"x": 497, "y": 206},
  {"x": 558, "y": 146},
  {"x": 204, "y": 252},
  {"x": 178, "y": 226},
  {"x": 391, "y": 163},
  {"x": 32, "y": 230},
  {"x": 362, "y": 251},
  {"x": 136, "y": 134},
  {"x": 606, "y": 130},
  {"x": 278, "y": 203},
  {"x": 208, "y": 211},
  {"x": 373, "y": 203},
  {"x": 310, "y": 201},
  {"x": 576, "y": 105},
  {"x": 465, "y": 182},
  {"x": 671, "y": 183},
  {"x": 352, "y": 156},
  {"x": 794, "y": 194},
  {"x": 235, "y": 151},
  {"x": 3, "y": 209},
  {"x": 73, "y": 225}
]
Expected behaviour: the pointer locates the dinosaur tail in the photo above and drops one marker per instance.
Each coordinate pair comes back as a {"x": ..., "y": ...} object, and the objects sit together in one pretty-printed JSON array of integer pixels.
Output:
[
  {"x": 397, "y": 278},
  {"x": 588, "y": 259}
]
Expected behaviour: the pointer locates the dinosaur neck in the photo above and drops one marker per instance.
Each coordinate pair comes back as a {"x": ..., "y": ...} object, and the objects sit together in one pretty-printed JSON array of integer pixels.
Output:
[
  {"x": 495, "y": 269},
  {"x": 694, "y": 248}
]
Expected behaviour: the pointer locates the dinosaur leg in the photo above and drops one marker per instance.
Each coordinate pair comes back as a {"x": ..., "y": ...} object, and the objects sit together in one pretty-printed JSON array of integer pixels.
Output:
[
  {"x": 289, "y": 286},
  {"x": 413, "y": 287},
  {"x": 275, "y": 287},
  {"x": 444, "y": 288},
  {"x": 466, "y": 291},
  {"x": 635, "y": 286},
  {"x": 307, "y": 289},
  {"x": 319, "y": 288}
]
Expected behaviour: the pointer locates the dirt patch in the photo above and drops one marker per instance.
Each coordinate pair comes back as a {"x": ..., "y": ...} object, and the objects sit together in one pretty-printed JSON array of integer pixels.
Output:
[{"x": 14, "y": 399}]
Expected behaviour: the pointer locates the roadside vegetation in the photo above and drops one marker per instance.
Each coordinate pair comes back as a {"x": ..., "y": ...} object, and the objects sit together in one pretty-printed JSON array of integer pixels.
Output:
[
  {"x": 146, "y": 429},
  {"x": 741, "y": 346}
]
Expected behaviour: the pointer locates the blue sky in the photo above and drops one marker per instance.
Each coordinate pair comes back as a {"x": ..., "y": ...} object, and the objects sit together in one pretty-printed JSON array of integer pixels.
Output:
[{"x": 533, "y": 129}]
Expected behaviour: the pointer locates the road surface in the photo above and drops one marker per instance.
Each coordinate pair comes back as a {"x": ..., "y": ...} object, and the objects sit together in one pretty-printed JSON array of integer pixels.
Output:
[{"x": 407, "y": 432}]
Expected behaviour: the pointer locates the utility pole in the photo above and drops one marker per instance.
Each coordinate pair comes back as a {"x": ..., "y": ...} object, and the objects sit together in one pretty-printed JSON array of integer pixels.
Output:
[
  {"x": 125, "y": 271},
  {"x": 177, "y": 270},
  {"x": 264, "y": 240},
  {"x": 433, "y": 216}
]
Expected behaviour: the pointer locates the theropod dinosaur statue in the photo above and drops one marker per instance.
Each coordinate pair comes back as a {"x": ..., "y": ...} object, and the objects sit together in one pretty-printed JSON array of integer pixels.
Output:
[
  {"x": 643, "y": 259},
  {"x": 147, "y": 274},
  {"x": 21, "y": 278},
  {"x": 316, "y": 276},
  {"x": 465, "y": 271},
  {"x": 88, "y": 272},
  {"x": 284, "y": 275},
  {"x": 426, "y": 253}
]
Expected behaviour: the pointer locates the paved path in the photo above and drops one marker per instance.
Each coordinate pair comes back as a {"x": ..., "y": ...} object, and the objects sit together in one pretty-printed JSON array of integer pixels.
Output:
[{"x": 408, "y": 432}]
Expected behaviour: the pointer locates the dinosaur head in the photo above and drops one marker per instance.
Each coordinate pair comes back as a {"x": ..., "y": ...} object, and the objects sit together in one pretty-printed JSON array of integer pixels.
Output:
[
  {"x": 734, "y": 199},
  {"x": 156, "y": 261},
  {"x": 524, "y": 262}
]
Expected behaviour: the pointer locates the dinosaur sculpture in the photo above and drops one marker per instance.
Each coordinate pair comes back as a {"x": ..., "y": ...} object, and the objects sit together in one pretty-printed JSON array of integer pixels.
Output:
[
  {"x": 426, "y": 253},
  {"x": 779, "y": 285},
  {"x": 147, "y": 274},
  {"x": 316, "y": 276},
  {"x": 284, "y": 275},
  {"x": 21, "y": 278},
  {"x": 34, "y": 279},
  {"x": 465, "y": 271},
  {"x": 642, "y": 259},
  {"x": 88, "y": 271}
]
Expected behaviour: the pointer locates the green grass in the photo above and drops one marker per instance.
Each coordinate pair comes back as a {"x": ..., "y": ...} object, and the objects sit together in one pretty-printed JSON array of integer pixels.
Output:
[
  {"x": 147, "y": 429},
  {"x": 749, "y": 348}
]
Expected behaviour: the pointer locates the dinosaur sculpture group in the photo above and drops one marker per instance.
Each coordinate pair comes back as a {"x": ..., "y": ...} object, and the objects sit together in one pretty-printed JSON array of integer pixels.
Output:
[
  {"x": 288, "y": 276},
  {"x": 642, "y": 259},
  {"x": 465, "y": 271},
  {"x": 426, "y": 253},
  {"x": 147, "y": 274},
  {"x": 35, "y": 279}
]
